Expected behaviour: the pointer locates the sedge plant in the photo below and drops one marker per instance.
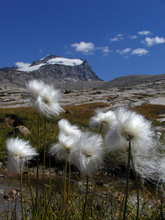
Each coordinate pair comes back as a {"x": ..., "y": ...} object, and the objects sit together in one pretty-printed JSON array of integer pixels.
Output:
[
  {"x": 132, "y": 134},
  {"x": 124, "y": 130},
  {"x": 87, "y": 156},
  {"x": 19, "y": 152},
  {"x": 45, "y": 98},
  {"x": 67, "y": 141}
]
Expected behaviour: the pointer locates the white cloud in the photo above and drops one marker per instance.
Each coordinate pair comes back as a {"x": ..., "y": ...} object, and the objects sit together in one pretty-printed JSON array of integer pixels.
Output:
[
  {"x": 22, "y": 65},
  {"x": 120, "y": 36},
  {"x": 117, "y": 38},
  {"x": 132, "y": 36},
  {"x": 86, "y": 48},
  {"x": 105, "y": 50},
  {"x": 123, "y": 52},
  {"x": 151, "y": 41},
  {"x": 144, "y": 33},
  {"x": 140, "y": 52},
  {"x": 114, "y": 39},
  {"x": 89, "y": 48}
]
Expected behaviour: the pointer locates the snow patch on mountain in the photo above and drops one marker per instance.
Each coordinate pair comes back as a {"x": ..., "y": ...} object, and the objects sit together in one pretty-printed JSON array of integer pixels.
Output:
[
  {"x": 26, "y": 67},
  {"x": 65, "y": 61},
  {"x": 29, "y": 68},
  {"x": 21, "y": 65}
]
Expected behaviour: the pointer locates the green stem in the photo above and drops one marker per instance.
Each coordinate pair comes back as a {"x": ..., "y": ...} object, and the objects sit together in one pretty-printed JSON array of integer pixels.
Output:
[
  {"x": 50, "y": 182},
  {"x": 50, "y": 175},
  {"x": 121, "y": 207},
  {"x": 161, "y": 206},
  {"x": 86, "y": 196},
  {"x": 128, "y": 176},
  {"x": 30, "y": 186},
  {"x": 44, "y": 160},
  {"x": 68, "y": 191},
  {"x": 64, "y": 188},
  {"x": 21, "y": 186},
  {"x": 38, "y": 148},
  {"x": 137, "y": 188},
  {"x": 44, "y": 157}
]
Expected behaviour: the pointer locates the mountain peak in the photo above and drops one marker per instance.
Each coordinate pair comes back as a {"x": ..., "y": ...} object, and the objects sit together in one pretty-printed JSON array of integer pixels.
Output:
[
  {"x": 51, "y": 69},
  {"x": 43, "y": 60}
]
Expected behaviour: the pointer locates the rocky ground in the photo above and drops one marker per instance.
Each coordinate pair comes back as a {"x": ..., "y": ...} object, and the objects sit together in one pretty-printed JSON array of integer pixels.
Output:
[
  {"x": 130, "y": 96},
  {"x": 153, "y": 93}
]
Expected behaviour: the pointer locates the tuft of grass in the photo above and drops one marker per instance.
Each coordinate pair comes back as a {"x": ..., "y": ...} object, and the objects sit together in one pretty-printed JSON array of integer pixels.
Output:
[{"x": 28, "y": 117}]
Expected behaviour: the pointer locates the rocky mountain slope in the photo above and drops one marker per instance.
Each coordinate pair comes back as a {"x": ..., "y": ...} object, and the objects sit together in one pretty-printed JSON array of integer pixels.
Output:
[
  {"x": 51, "y": 69},
  {"x": 120, "y": 82}
]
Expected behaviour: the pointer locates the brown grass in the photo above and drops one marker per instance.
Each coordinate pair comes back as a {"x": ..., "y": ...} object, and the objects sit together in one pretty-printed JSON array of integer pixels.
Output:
[
  {"x": 81, "y": 114},
  {"x": 150, "y": 111}
]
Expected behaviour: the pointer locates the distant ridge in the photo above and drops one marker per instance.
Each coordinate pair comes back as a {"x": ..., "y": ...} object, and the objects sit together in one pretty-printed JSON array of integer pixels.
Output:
[
  {"x": 66, "y": 73},
  {"x": 132, "y": 80},
  {"x": 120, "y": 82}
]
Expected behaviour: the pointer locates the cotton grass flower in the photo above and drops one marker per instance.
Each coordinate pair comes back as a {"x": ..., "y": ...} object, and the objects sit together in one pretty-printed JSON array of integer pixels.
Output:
[
  {"x": 47, "y": 102},
  {"x": 135, "y": 129},
  {"x": 133, "y": 134},
  {"x": 35, "y": 86},
  {"x": 45, "y": 98},
  {"x": 103, "y": 120},
  {"x": 64, "y": 146},
  {"x": 67, "y": 139},
  {"x": 69, "y": 130},
  {"x": 131, "y": 126},
  {"x": 19, "y": 152},
  {"x": 147, "y": 165},
  {"x": 88, "y": 155}
]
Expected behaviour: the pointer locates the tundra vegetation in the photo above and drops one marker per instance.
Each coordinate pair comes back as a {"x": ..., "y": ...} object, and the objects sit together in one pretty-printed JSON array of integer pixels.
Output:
[{"x": 79, "y": 162}]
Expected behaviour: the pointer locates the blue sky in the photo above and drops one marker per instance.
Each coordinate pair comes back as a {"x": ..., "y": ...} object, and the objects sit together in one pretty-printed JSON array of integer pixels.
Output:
[{"x": 116, "y": 37}]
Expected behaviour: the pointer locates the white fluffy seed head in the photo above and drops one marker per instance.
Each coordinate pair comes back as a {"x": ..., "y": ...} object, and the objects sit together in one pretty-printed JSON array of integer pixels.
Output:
[
  {"x": 45, "y": 98},
  {"x": 114, "y": 141},
  {"x": 19, "y": 151},
  {"x": 134, "y": 126},
  {"x": 47, "y": 102},
  {"x": 88, "y": 155},
  {"x": 62, "y": 149},
  {"x": 103, "y": 120},
  {"x": 35, "y": 86},
  {"x": 70, "y": 130},
  {"x": 147, "y": 164}
]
